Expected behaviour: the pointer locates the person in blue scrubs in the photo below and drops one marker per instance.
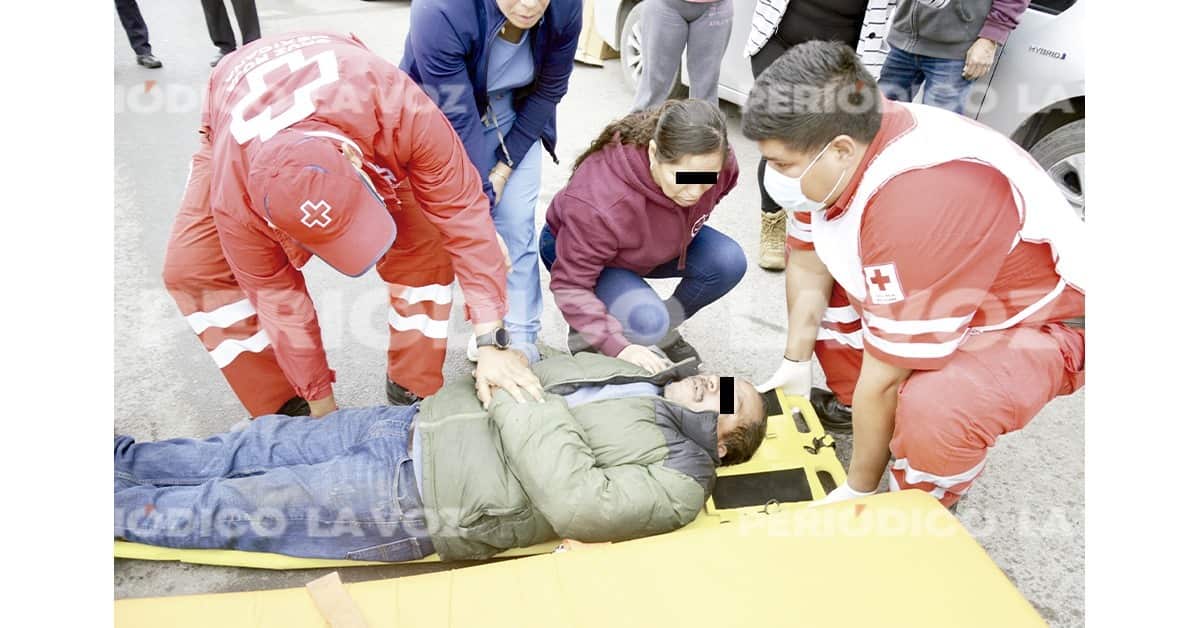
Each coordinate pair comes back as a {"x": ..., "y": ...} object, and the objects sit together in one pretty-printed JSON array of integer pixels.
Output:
[{"x": 498, "y": 69}]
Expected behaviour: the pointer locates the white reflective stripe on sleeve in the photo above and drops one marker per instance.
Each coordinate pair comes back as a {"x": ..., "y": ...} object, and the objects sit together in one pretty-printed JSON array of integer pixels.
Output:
[
  {"x": 1027, "y": 312},
  {"x": 842, "y": 314},
  {"x": 916, "y": 476},
  {"x": 433, "y": 292},
  {"x": 912, "y": 328},
  {"x": 851, "y": 340},
  {"x": 914, "y": 349},
  {"x": 894, "y": 486},
  {"x": 419, "y": 322},
  {"x": 229, "y": 349},
  {"x": 222, "y": 317}
]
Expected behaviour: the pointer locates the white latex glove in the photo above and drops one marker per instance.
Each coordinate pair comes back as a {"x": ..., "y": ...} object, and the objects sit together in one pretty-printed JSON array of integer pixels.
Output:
[
  {"x": 795, "y": 378},
  {"x": 841, "y": 494}
]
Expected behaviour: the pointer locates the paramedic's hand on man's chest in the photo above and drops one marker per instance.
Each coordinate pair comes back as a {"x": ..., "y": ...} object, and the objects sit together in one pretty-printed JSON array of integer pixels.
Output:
[{"x": 506, "y": 369}]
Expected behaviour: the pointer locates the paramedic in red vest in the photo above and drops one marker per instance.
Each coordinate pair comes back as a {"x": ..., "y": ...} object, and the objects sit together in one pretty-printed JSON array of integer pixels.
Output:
[
  {"x": 310, "y": 144},
  {"x": 931, "y": 268}
]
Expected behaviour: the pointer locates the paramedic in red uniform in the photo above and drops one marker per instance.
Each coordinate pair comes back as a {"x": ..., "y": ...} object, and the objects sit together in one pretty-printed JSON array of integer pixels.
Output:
[
  {"x": 310, "y": 144},
  {"x": 932, "y": 267}
]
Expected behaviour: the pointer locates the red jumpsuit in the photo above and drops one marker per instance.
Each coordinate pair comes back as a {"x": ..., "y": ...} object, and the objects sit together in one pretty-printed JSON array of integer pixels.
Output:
[
  {"x": 236, "y": 278},
  {"x": 955, "y": 282}
]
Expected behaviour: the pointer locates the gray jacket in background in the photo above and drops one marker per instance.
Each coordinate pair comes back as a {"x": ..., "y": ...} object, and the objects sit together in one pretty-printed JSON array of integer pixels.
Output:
[{"x": 945, "y": 29}]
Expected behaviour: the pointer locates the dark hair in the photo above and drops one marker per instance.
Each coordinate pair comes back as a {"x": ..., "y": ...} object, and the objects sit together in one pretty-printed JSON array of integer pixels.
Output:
[
  {"x": 678, "y": 128},
  {"x": 815, "y": 92},
  {"x": 742, "y": 441}
]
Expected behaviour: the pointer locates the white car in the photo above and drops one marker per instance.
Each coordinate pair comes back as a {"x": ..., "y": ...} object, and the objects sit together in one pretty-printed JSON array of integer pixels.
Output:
[{"x": 1034, "y": 93}]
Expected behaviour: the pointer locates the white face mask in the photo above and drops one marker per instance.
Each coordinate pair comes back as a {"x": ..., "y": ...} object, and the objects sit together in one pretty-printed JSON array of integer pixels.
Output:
[{"x": 788, "y": 192}]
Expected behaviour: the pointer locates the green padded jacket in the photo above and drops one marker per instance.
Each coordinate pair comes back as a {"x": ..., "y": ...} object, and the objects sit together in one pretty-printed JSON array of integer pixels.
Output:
[{"x": 521, "y": 474}]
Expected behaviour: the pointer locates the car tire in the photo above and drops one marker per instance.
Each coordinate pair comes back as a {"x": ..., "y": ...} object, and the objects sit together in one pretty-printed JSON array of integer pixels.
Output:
[
  {"x": 1061, "y": 153},
  {"x": 631, "y": 53}
]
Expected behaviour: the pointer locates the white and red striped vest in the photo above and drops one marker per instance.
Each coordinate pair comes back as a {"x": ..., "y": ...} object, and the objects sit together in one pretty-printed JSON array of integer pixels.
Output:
[{"x": 938, "y": 137}]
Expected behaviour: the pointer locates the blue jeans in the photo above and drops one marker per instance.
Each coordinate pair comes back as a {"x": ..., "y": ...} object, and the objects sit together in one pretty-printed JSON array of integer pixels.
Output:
[
  {"x": 514, "y": 218},
  {"x": 715, "y": 264},
  {"x": 341, "y": 487},
  {"x": 903, "y": 73}
]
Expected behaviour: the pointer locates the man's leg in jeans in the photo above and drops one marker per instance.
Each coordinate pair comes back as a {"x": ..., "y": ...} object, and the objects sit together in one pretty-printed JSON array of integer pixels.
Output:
[
  {"x": 715, "y": 264},
  {"x": 323, "y": 488},
  {"x": 901, "y": 75},
  {"x": 945, "y": 86}
]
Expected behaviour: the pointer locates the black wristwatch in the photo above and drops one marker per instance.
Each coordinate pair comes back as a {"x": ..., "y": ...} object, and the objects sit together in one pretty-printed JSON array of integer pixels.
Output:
[{"x": 497, "y": 338}]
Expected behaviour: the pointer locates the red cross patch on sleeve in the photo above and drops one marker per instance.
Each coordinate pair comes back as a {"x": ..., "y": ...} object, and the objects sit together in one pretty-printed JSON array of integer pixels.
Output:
[{"x": 883, "y": 284}]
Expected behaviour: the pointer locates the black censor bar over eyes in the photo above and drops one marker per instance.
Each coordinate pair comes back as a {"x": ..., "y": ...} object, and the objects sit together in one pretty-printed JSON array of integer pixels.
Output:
[
  {"x": 686, "y": 177},
  {"x": 727, "y": 395}
]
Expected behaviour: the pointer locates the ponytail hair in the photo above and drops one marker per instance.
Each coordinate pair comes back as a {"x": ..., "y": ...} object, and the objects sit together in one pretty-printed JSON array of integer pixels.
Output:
[{"x": 678, "y": 128}]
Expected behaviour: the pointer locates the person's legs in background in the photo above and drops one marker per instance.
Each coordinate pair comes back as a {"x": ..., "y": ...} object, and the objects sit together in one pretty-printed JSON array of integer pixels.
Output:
[
  {"x": 664, "y": 35},
  {"x": 707, "y": 39},
  {"x": 136, "y": 31},
  {"x": 339, "y": 487},
  {"x": 901, "y": 75},
  {"x": 773, "y": 230},
  {"x": 945, "y": 86},
  {"x": 220, "y": 31},
  {"x": 247, "y": 18}
]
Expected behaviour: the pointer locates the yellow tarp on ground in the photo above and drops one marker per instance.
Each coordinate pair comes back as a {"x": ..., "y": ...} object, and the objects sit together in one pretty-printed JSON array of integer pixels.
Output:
[
  {"x": 785, "y": 449},
  {"x": 896, "y": 559}
]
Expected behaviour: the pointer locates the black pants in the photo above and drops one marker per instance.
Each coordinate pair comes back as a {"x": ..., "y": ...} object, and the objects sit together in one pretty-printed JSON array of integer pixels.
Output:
[
  {"x": 221, "y": 31},
  {"x": 807, "y": 20},
  {"x": 135, "y": 26}
]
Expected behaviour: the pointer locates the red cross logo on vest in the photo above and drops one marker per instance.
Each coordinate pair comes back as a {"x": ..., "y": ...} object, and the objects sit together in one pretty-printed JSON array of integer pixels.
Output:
[
  {"x": 315, "y": 214},
  {"x": 883, "y": 284}
]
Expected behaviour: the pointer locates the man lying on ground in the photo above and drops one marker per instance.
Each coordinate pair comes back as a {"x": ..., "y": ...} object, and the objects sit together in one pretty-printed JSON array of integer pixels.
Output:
[{"x": 611, "y": 454}]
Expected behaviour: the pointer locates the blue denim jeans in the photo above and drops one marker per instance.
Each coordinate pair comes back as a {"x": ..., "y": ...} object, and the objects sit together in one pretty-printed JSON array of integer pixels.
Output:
[
  {"x": 715, "y": 264},
  {"x": 514, "y": 218},
  {"x": 340, "y": 487},
  {"x": 903, "y": 73}
]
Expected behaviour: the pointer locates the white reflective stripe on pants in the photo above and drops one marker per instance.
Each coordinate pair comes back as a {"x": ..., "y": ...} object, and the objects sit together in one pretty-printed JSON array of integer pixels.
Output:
[
  {"x": 438, "y": 293},
  {"x": 230, "y": 349},
  {"x": 419, "y": 322},
  {"x": 222, "y": 317},
  {"x": 942, "y": 482}
]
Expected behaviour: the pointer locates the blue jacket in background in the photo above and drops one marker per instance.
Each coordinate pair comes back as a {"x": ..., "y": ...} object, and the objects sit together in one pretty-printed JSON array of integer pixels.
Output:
[{"x": 447, "y": 53}]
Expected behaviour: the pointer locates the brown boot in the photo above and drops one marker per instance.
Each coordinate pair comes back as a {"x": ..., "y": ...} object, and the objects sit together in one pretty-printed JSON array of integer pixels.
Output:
[{"x": 771, "y": 242}]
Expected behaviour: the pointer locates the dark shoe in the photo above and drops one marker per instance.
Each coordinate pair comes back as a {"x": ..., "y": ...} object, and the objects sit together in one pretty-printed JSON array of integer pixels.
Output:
[
  {"x": 398, "y": 395},
  {"x": 149, "y": 61},
  {"x": 296, "y": 406},
  {"x": 576, "y": 343},
  {"x": 835, "y": 416},
  {"x": 217, "y": 59},
  {"x": 678, "y": 349}
]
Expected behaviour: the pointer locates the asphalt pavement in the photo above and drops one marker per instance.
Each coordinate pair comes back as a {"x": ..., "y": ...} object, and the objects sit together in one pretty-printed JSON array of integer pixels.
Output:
[{"x": 1026, "y": 509}]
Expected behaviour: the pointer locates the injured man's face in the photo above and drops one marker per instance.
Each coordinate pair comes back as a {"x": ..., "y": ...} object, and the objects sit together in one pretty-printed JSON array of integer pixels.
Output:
[{"x": 738, "y": 434}]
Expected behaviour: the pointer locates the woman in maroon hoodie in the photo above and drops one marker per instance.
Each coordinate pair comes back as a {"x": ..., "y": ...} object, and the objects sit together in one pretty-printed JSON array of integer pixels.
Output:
[{"x": 625, "y": 215}]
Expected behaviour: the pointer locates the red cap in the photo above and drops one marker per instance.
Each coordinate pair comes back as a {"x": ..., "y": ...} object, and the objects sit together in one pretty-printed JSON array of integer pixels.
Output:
[{"x": 304, "y": 186}]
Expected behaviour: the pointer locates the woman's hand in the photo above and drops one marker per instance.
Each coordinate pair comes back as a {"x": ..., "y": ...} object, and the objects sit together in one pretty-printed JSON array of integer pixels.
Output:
[
  {"x": 644, "y": 357},
  {"x": 499, "y": 177}
]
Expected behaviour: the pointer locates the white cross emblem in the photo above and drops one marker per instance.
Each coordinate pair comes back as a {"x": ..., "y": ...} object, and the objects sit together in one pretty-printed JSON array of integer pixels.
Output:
[{"x": 315, "y": 214}]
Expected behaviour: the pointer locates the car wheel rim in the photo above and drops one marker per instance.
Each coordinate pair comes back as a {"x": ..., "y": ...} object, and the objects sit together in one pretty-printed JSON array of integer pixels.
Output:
[
  {"x": 1068, "y": 176},
  {"x": 633, "y": 52}
]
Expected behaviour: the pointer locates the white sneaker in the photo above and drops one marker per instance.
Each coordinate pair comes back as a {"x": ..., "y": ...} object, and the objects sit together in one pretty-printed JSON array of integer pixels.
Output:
[{"x": 472, "y": 349}]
